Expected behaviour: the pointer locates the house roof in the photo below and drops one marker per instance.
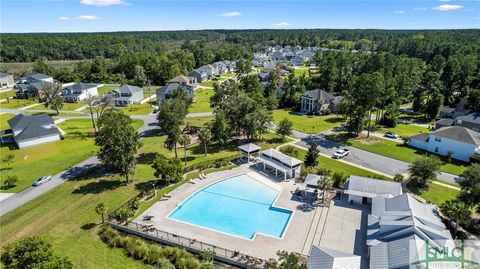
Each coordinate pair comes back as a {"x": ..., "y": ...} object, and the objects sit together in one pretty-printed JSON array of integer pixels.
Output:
[
  {"x": 421, "y": 136},
  {"x": 472, "y": 117},
  {"x": 318, "y": 94},
  {"x": 21, "y": 121},
  {"x": 37, "y": 76},
  {"x": 369, "y": 187},
  {"x": 325, "y": 258},
  {"x": 205, "y": 67},
  {"x": 249, "y": 148},
  {"x": 81, "y": 86},
  {"x": 280, "y": 157},
  {"x": 180, "y": 79},
  {"x": 447, "y": 109},
  {"x": 459, "y": 133},
  {"x": 311, "y": 180},
  {"x": 128, "y": 89},
  {"x": 4, "y": 74},
  {"x": 445, "y": 122},
  {"x": 167, "y": 89},
  {"x": 34, "y": 130}
]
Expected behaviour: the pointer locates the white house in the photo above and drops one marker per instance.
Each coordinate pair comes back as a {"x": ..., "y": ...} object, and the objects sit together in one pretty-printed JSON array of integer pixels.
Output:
[
  {"x": 363, "y": 189},
  {"x": 35, "y": 77},
  {"x": 79, "y": 92},
  {"x": 6, "y": 80},
  {"x": 30, "y": 130},
  {"x": 461, "y": 141}
]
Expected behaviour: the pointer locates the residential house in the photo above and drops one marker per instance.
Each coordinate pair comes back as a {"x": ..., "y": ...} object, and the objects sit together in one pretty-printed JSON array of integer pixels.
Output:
[
  {"x": 79, "y": 92},
  {"x": 470, "y": 121},
  {"x": 297, "y": 60},
  {"x": 35, "y": 77},
  {"x": 184, "y": 80},
  {"x": 6, "y": 80},
  {"x": 220, "y": 67},
  {"x": 257, "y": 62},
  {"x": 398, "y": 229},
  {"x": 268, "y": 67},
  {"x": 313, "y": 62},
  {"x": 165, "y": 92},
  {"x": 127, "y": 95},
  {"x": 453, "y": 112},
  {"x": 444, "y": 123},
  {"x": 30, "y": 130},
  {"x": 361, "y": 190},
  {"x": 208, "y": 69},
  {"x": 230, "y": 66},
  {"x": 461, "y": 141},
  {"x": 317, "y": 101},
  {"x": 200, "y": 76},
  {"x": 326, "y": 258},
  {"x": 263, "y": 76},
  {"x": 31, "y": 90}
]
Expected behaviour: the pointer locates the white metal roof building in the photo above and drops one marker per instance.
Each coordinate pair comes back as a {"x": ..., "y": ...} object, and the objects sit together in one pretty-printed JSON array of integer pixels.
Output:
[
  {"x": 290, "y": 167},
  {"x": 325, "y": 258},
  {"x": 363, "y": 189},
  {"x": 249, "y": 149}
]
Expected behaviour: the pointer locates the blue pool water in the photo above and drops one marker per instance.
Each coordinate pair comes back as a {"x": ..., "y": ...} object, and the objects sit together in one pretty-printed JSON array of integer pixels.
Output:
[{"x": 239, "y": 206}]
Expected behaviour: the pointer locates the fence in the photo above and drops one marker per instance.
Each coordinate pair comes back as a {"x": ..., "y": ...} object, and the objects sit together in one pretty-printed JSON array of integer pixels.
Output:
[{"x": 192, "y": 245}]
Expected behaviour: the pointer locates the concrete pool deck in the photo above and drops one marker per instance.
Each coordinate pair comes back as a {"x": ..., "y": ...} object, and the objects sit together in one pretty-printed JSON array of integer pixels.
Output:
[{"x": 308, "y": 225}]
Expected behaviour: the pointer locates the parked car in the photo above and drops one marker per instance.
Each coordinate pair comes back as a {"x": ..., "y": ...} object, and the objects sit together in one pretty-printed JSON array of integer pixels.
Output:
[
  {"x": 404, "y": 121},
  {"x": 391, "y": 135},
  {"x": 341, "y": 153},
  {"x": 41, "y": 181}
]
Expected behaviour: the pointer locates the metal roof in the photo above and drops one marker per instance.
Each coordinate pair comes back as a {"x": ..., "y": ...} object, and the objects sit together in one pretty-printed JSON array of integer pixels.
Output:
[
  {"x": 369, "y": 187},
  {"x": 280, "y": 157},
  {"x": 325, "y": 258},
  {"x": 311, "y": 180},
  {"x": 249, "y": 148}
]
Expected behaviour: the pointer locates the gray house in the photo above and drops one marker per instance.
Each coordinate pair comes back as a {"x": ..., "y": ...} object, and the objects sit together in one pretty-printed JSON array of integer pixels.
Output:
[
  {"x": 318, "y": 100},
  {"x": 6, "y": 80},
  {"x": 127, "y": 95},
  {"x": 200, "y": 76},
  {"x": 30, "y": 90},
  {"x": 165, "y": 92},
  {"x": 470, "y": 121},
  {"x": 297, "y": 60},
  {"x": 35, "y": 77},
  {"x": 30, "y": 130}
]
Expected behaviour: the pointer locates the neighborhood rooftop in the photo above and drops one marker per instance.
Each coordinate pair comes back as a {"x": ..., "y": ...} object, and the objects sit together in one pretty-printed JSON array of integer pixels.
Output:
[
  {"x": 369, "y": 187},
  {"x": 460, "y": 134}
]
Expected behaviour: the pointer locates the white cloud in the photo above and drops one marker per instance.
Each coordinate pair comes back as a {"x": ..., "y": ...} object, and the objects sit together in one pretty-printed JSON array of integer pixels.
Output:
[
  {"x": 282, "y": 24},
  {"x": 231, "y": 14},
  {"x": 444, "y": 0},
  {"x": 87, "y": 17},
  {"x": 399, "y": 12},
  {"x": 102, "y": 3},
  {"x": 64, "y": 18},
  {"x": 447, "y": 7},
  {"x": 420, "y": 8}
]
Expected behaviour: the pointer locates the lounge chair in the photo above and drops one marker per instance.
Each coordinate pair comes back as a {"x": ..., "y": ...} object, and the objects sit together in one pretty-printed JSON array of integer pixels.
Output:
[{"x": 191, "y": 181}]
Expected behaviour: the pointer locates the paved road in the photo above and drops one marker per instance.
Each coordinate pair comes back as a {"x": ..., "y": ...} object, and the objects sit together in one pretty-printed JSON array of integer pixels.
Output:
[
  {"x": 364, "y": 158},
  {"x": 31, "y": 193}
]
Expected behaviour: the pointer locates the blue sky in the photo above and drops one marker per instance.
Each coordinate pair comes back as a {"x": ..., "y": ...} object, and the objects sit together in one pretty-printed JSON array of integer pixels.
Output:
[{"x": 139, "y": 15}]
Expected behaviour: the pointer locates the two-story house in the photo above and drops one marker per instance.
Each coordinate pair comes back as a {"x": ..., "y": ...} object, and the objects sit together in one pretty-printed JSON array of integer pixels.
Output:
[
  {"x": 79, "y": 92},
  {"x": 460, "y": 141},
  {"x": 199, "y": 75},
  {"x": 30, "y": 130},
  {"x": 318, "y": 100},
  {"x": 187, "y": 84},
  {"x": 127, "y": 95},
  {"x": 6, "y": 80}
]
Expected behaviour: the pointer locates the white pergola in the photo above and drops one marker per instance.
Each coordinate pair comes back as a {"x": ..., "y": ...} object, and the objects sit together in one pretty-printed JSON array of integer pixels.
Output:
[
  {"x": 249, "y": 149},
  {"x": 275, "y": 159}
]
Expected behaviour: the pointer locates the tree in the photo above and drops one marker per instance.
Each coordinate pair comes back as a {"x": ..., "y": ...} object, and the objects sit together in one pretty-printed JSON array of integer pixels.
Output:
[
  {"x": 205, "y": 135},
  {"x": 284, "y": 128},
  {"x": 11, "y": 181},
  {"x": 8, "y": 159},
  {"x": 33, "y": 252},
  {"x": 311, "y": 157},
  {"x": 424, "y": 170},
  {"x": 173, "y": 136},
  {"x": 457, "y": 211},
  {"x": 50, "y": 94},
  {"x": 325, "y": 183},
  {"x": 220, "y": 128},
  {"x": 101, "y": 209},
  {"x": 473, "y": 100},
  {"x": 185, "y": 141},
  {"x": 286, "y": 260},
  {"x": 118, "y": 142},
  {"x": 398, "y": 178},
  {"x": 169, "y": 170},
  {"x": 469, "y": 183},
  {"x": 139, "y": 78},
  {"x": 449, "y": 155}
]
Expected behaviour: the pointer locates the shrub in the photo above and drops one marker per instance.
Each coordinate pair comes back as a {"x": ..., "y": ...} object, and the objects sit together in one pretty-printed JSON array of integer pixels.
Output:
[
  {"x": 163, "y": 263},
  {"x": 290, "y": 150},
  {"x": 475, "y": 158},
  {"x": 206, "y": 255},
  {"x": 339, "y": 180}
]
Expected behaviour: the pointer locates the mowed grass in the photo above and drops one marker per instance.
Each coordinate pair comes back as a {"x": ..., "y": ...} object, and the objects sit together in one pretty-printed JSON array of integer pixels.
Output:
[
  {"x": 301, "y": 72},
  {"x": 7, "y": 94},
  {"x": 202, "y": 101},
  {"x": 397, "y": 151},
  {"x": 308, "y": 124},
  {"x": 4, "y": 121},
  {"x": 51, "y": 158},
  {"x": 198, "y": 121},
  {"x": 66, "y": 106},
  {"x": 105, "y": 89},
  {"x": 18, "y": 103},
  {"x": 208, "y": 83},
  {"x": 138, "y": 109},
  {"x": 437, "y": 194},
  {"x": 405, "y": 130}
]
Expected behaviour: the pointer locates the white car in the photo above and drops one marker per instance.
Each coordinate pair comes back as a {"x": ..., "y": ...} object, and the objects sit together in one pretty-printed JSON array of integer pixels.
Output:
[
  {"x": 41, "y": 181},
  {"x": 341, "y": 153}
]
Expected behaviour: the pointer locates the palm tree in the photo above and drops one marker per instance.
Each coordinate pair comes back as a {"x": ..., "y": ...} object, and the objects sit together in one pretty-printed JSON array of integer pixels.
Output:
[
  {"x": 205, "y": 135},
  {"x": 101, "y": 209},
  {"x": 185, "y": 141},
  {"x": 457, "y": 211},
  {"x": 325, "y": 183}
]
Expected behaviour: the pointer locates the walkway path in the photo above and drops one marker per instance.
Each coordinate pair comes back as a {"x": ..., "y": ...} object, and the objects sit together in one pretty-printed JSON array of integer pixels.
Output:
[{"x": 27, "y": 107}]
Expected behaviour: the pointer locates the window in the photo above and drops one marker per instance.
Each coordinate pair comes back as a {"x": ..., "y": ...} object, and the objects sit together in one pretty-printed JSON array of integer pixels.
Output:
[
  {"x": 436, "y": 150},
  {"x": 438, "y": 139}
]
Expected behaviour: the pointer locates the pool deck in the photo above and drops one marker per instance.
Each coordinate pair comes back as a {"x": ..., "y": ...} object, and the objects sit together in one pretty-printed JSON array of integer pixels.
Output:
[{"x": 307, "y": 226}]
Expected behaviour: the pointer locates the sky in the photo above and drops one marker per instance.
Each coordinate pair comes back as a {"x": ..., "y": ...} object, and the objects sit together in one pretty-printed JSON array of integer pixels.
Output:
[{"x": 156, "y": 15}]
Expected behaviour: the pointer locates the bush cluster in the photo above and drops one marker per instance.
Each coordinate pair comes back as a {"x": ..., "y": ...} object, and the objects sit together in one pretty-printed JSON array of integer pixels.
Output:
[
  {"x": 164, "y": 257},
  {"x": 212, "y": 163}
]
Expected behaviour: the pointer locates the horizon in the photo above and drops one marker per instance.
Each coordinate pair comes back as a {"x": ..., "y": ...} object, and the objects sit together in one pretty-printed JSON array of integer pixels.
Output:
[{"x": 92, "y": 16}]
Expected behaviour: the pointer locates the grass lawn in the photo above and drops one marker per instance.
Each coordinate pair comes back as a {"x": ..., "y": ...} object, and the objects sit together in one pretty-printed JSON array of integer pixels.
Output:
[
  {"x": 4, "y": 121},
  {"x": 395, "y": 150},
  {"x": 18, "y": 103},
  {"x": 300, "y": 72},
  {"x": 202, "y": 101},
  {"x": 105, "y": 89},
  {"x": 436, "y": 194},
  {"x": 52, "y": 158},
  {"x": 227, "y": 75},
  {"x": 208, "y": 83},
  {"x": 7, "y": 94},
  {"x": 308, "y": 124},
  {"x": 405, "y": 130},
  {"x": 66, "y": 106},
  {"x": 416, "y": 117},
  {"x": 198, "y": 121},
  {"x": 138, "y": 109}
]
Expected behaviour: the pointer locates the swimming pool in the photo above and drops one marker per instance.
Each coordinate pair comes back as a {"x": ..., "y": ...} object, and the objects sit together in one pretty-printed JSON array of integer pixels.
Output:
[{"x": 239, "y": 205}]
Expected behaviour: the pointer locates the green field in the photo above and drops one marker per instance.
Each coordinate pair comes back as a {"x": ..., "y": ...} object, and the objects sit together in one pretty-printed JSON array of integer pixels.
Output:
[
  {"x": 301, "y": 72},
  {"x": 395, "y": 150},
  {"x": 18, "y": 103},
  {"x": 405, "y": 130},
  {"x": 7, "y": 94},
  {"x": 49, "y": 159},
  {"x": 105, "y": 89},
  {"x": 308, "y": 124},
  {"x": 202, "y": 101},
  {"x": 138, "y": 109},
  {"x": 66, "y": 106},
  {"x": 208, "y": 83},
  {"x": 198, "y": 121},
  {"x": 437, "y": 194},
  {"x": 4, "y": 121}
]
